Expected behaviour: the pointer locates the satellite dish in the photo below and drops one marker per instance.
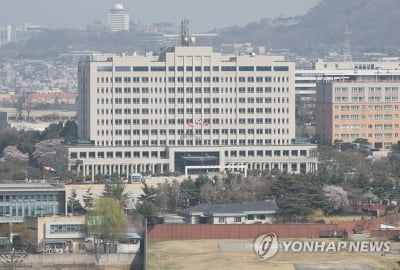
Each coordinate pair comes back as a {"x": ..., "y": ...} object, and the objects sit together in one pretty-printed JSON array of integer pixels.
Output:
[{"x": 193, "y": 39}]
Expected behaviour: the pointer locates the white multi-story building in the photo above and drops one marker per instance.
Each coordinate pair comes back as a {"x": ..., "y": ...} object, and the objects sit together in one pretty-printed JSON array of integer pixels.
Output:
[
  {"x": 188, "y": 109},
  {"x": 118, "y": 19}
]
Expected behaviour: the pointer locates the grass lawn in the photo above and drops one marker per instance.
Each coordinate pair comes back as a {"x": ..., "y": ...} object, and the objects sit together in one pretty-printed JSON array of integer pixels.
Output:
[{"x": 205, "y": 254}]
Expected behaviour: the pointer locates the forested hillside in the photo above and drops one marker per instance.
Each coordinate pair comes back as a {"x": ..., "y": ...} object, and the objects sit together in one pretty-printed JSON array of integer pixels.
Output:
[{"x": 373, "y": 26}]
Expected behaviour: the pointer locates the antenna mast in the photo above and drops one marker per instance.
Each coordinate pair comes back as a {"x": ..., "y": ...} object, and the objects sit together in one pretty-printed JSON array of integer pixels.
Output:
[
  {"x": 186, "y": 37},
  {"x": 347, "y": 52}
]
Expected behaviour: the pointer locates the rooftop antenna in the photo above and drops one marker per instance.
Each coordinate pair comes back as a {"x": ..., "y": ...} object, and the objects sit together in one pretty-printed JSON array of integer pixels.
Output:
[
  {"x": 347, "y": 52},
  {"x": 186, "y": 37}
]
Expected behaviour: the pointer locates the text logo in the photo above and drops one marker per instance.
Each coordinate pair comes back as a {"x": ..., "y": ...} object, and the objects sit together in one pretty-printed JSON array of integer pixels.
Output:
[{"x": 266, "y": 246}]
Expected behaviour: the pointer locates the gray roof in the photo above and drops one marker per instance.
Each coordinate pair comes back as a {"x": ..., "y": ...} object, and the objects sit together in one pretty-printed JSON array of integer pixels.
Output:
[
  {"x": 232, "y": 208},
  {"x": 30, "y": 187}
]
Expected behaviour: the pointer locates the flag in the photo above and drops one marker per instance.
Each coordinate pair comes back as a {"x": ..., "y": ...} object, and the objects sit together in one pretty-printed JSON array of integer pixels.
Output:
[
  {"x": 49, "y": 169},
  {"x": 190, "y": 124},
  {"x": 204, "y": 124}
]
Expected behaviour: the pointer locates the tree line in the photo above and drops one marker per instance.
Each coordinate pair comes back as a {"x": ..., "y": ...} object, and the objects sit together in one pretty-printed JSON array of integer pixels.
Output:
[{"x": 25, "y": 141}]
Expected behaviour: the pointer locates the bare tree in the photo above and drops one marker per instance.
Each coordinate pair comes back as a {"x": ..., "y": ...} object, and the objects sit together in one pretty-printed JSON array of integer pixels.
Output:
[
  {"x": 20, "y": 105},
  {"x": 28, "y": 107}
]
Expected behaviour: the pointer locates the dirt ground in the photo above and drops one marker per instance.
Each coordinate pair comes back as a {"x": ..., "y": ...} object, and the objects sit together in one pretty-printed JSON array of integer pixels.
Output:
[{"x": 205, "y": 254}]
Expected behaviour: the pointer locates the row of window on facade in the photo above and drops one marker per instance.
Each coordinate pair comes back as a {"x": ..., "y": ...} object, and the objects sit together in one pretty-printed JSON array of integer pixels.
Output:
[
  {"x": 189, "y": 122},
  {"x": 198, "y": 100},
  {"x": 28, "y": 210},
  {"x": 377, "y": 136},
  {"x": 364, "y": 66},
  {"x": 189, "y": 68},
  {"x": 195, "y": 141},
  {"x": 367, "y": 89},
  {"x": 223, "y": 220},
  {"x": 370, "y": 99},
  {"x": 163, "y": 154},
  {"x": 355, "y": 108},
  {"x": 369, "y": 126},
  {"x": 67, "y": 228},
  {"x": 197, "y": 79},
  {"x": 266, "y": 153},
  {"x": 241, "y": 110},
  {"x": 28, "y": 197},
  {"x": 193, "y": 100},
  {"x": 199, "y": 90},
  {"x": 241, "y": 131},
  {"x": 369, "y": 116}
]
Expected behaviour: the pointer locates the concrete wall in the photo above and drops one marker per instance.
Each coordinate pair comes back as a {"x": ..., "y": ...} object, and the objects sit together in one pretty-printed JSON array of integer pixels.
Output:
[
  {"x": 84, "y": 261},
  {"x": 251, "y": 231},
  {"x": 234, "y": 231}
]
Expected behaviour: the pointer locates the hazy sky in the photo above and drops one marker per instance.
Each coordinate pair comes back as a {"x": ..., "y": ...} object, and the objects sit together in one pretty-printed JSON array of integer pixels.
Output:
[{"x": 203, "y": 14}]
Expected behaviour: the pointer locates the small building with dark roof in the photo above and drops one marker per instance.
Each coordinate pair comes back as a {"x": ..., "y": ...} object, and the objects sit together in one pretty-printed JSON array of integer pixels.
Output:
[{"x": 254, "y": 212}]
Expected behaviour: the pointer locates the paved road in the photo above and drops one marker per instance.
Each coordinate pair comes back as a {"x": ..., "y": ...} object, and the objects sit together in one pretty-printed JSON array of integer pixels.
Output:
[{"x": 333, "y": 267}]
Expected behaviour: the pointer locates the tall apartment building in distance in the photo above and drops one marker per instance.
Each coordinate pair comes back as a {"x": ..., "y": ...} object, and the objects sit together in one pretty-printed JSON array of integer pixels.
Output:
[
  {"x": 364, "y": 105},
  {"x": 118, "y": 19},
  {"x": 188, "y": 109}
]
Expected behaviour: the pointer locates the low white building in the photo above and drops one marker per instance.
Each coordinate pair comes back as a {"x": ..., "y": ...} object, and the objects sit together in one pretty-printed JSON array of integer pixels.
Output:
[{"x": 235, "y": 213}]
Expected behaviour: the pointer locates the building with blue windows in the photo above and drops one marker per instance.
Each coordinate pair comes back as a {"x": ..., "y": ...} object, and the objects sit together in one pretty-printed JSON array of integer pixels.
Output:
[{"x": 20, "y": 200}]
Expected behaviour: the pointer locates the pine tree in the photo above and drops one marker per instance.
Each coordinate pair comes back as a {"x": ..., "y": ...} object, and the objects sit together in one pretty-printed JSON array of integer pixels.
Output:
[
  {"x": 88, "y": 199},
  {"x": 73, "y": 202},
  {"x": 116, "y": 191}
]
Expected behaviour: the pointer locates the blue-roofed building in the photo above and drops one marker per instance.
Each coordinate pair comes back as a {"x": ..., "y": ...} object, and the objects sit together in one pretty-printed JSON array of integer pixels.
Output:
[{"x": 255, "y": 212}]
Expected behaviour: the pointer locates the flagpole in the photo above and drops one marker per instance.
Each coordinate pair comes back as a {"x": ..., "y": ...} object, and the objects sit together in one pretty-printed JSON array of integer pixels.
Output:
[{"x": 41, "y": 171}]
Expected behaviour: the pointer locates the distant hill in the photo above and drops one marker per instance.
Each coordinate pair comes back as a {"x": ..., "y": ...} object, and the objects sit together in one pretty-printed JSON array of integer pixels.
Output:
[{"x": 374, "y": 26}]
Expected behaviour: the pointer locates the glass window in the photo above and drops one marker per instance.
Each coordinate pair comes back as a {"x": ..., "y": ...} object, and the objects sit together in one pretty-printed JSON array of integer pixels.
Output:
[
  {"x": 141, "y": 68},
  {"x": 157, "y": 68},
  {"x": 263, "y": 68},
  {"x": 228, "y": 68},
  {"x": 281, "y": 68},
  {"x": 246, "y": 68},
  {"x": 122, "y": 68},
  {"x": 104, "y": 68}
]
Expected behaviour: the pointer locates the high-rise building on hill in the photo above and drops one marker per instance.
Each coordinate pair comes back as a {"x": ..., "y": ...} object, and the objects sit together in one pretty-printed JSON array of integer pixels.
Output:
[
  {"x": 188, "y": 109},
  {"x": 118, "y": 19}
]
